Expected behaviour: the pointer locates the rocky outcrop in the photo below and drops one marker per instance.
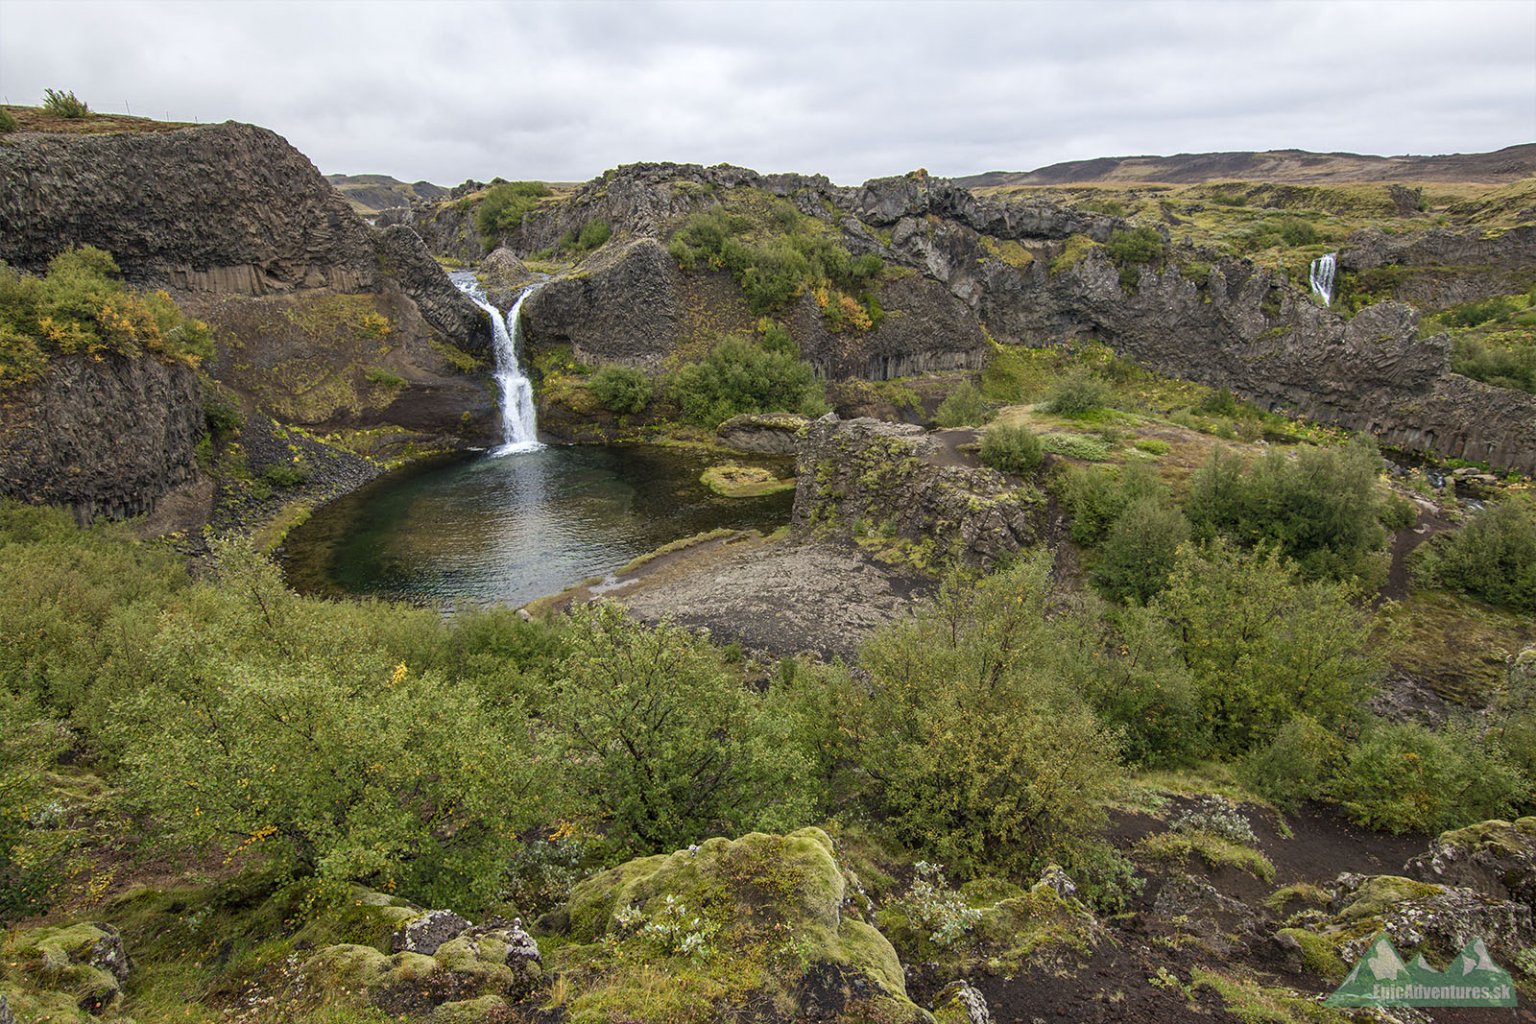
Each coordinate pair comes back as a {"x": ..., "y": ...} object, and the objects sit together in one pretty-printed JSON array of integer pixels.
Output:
[
  {"x": 65, "y": 973},
  {"x": 228, "y": 207},
  {"x": 731, "y": 905},
  {"x": 318, "y": 318},
  {"x": 1497, "y": 858},
  {"x": 1030, "y": 272},
  {"x": 621, "y": 307},
  {"x": 770, "y": 434},
  {"x": 888, "y": 477},
  {"x": 1435, "y": 269},
  {"x": 504, "y": 276},
  {"x": 106, "y": 438},
  {"x": 442, "y": 965}
]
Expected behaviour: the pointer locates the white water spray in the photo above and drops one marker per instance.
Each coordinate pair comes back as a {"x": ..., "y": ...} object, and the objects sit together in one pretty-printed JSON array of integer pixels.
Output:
[{"x": 519, "y": 424}]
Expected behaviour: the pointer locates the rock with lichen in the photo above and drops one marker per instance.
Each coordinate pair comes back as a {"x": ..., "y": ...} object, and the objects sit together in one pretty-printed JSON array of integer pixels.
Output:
[
  {"x": 470, "y": 970},
  {"x": 1496, "y": 858},
  {"x": 65, "y": 973},
  {"x": 1420, "y": 918},
  {"x": 755, "y": 928}
]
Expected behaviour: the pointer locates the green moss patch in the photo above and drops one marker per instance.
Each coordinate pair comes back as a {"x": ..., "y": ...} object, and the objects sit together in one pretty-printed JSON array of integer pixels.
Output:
[
  {"x": 736, "y": 481},
  {"x": 708, "y": 933}
]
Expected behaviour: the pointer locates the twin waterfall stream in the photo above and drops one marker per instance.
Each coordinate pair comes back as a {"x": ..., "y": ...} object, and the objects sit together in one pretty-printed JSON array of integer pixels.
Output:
[{"x": 519, "y": 424}]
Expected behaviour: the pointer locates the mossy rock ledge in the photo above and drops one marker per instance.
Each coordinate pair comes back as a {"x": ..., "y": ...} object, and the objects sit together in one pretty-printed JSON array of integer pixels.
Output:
[
  {"x": 441, "y": 964},
  {"x": 65, "y": 973},
  {"x": 755, "y": 928}
]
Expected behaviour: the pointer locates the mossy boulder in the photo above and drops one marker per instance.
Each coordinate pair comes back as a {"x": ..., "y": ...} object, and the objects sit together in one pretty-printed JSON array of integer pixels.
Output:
[
  {"x": 1004, "y": 927},
  {"x": 749, "y": 929},
  {"x": 475, "y": 971},
  {"x": 1497, "y": 858},
  {"x": 1421, "y": 918},
  {"x": 776, "y": 433},
  {"x": 63, "y": 973}
]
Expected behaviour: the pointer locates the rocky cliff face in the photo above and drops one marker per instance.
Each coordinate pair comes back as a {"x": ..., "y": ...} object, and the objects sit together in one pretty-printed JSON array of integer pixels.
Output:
[
  {"x": 891, "y": 478},
  {"x": 319, "y": 318},
  {"x": 107, "y": 437},
  {"x": 1030, "y": 272}
]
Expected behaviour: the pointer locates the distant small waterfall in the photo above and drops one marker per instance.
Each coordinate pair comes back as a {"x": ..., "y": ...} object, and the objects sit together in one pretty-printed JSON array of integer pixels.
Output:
[{"x": 519, "y": 422}]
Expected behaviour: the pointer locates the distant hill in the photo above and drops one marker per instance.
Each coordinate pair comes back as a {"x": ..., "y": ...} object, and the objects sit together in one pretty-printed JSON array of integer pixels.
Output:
[
  {"x": 371, "y": 194},
  {"x": 1287, "y": 166}
]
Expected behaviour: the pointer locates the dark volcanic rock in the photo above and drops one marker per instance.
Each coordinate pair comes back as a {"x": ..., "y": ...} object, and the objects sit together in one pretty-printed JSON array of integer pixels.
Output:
[
  {"x": 622, "y": 307},
  {"x": 106, "y": 438},
  {"x": 1435, "y": 269},
  {"x": 228, "y": 207},
  {"x": 888, "y": 476}
]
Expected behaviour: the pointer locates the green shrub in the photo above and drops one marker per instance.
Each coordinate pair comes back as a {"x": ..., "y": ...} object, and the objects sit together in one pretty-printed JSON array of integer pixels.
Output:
[
  {"x": 1406, "y": 778},
  {"x": 31, "y": 843},
  {"x": 1011, "y": 449},
  {"x": 593, "y": 234},
  {"x": 1079, "y": 391},
  {"x": 966, "y": 740},
  {"x": 64, "y": 104},
  {"x": 384, "y": 378},
  {"x": 661, "y": 741},
  {"x": 505, "y": 205},
  {"x": 1135, "y": 679},
  {"x": 777, "y": 257},
  {"x": 1132, "y": 249},
  {"x": 1096, "y": 496},
  {"x": 287, "y": 474},
  {"x": 1263, "y": 645},
  {"x": 621, "y": 389},
  {"x": 963, "y": 407},
  {"x": 1140, "y": 549},
  {"x": 79, "y": 308},
  {"x": 1321, "y": 506},
  {"x": 311, "y": 731},
  {"x": 7, "y": 122},
  {"x": 1295, "y": 766},
  {"x": 1492, "y": 557},
  {"x": 1505, "y": 366},
  {"x": 1474, "y": 314},
  {"x": 740, "y": 375},
  {"x": 221, "y": 414}
]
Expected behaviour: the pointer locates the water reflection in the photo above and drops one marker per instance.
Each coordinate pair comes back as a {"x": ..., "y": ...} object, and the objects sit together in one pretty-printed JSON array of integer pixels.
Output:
[{"x": 477, "y": 529}]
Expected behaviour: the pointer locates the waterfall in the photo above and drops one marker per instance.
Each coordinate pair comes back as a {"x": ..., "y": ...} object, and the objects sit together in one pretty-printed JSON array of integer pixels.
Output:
[{"x": 519, "y": 425}]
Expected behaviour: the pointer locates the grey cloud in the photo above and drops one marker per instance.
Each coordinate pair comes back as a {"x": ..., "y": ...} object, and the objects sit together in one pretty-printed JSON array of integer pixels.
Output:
[{"x": 451, "y": 90}]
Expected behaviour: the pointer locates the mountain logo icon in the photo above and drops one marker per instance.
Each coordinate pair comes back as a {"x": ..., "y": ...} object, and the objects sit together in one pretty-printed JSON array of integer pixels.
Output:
[{"x": 1381, "y": 978}]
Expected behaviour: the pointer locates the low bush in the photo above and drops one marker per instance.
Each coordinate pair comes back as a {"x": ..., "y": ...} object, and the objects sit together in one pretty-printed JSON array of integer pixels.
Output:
[
  {"x": 505, "y": 205},
  {"x": 967, "y": 740},
  {"x": 1132, "y": 249},
  {"x": 778, "y": 256},
  {"x": 1407, "y": 778},
  {"x": 1321, "y": 506},
  {"x": 1295, "y": 765},
  {"x": 1263, "y": 645},
  {"x": 660, "y": 739},
  {"x": 1505, "y": 366},
  {"x": 1140, "y": 549},
  {"x": 1096, "y": 496},
  {"x": 64, "y": 104},
  {"x": 1078, "y": 391},
  {"x": 80, "y": 308},
  {"x": 1493, "y": 557},
  {"x": 963, "y": 407},
  {"x": 7, "y": 122},
  {"x": 621, "y": 389},
  {"x": 741, "y": 375},
  {"x": 1012, "y": 449}
]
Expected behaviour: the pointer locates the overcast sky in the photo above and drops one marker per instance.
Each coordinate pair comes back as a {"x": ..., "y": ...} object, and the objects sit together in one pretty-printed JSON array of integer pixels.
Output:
[{"x": 561, "y": 91}]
